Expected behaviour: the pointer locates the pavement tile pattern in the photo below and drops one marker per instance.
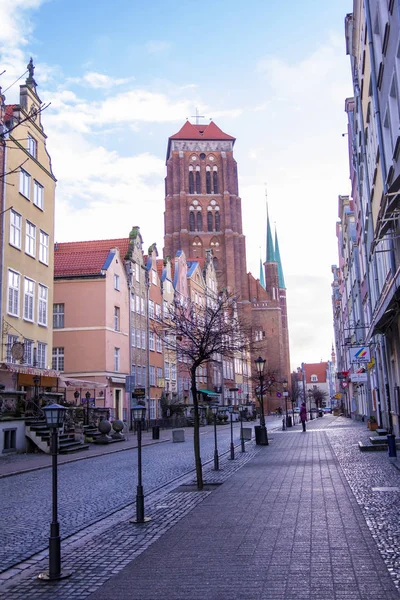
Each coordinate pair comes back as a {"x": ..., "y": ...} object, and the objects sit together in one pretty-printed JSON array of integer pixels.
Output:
[{"x": 297, "y": 519}]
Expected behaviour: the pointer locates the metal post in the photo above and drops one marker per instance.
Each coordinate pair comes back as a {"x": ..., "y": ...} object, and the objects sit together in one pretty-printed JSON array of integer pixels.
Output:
[
  {"x": 140, "y": 518},
  {"x": 241, "y": 432},
  {"x": 216, "y": 459},
  {"x": 264, "y": 435},
  {"x": 232, "y": 446},
  {"x": 54, "y": 539}
]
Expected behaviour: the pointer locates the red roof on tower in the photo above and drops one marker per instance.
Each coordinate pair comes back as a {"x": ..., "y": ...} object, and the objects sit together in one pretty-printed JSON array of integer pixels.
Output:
[{"x": 206, "y": 131}]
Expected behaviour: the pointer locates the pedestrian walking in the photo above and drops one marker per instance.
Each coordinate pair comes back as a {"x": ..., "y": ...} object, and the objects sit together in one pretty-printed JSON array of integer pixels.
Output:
[{"x": 303, "y": 415}]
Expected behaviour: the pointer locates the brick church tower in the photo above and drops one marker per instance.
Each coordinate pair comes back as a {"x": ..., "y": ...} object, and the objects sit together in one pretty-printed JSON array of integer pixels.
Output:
[
  {"x": 203, "y": 210},
  {"x": 202, "y": 206}
]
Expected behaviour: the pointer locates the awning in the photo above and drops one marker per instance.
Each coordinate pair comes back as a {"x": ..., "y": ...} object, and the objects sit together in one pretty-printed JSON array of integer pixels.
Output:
[
  {"x": 68, "y": 382},
  {"x": 208, "y": 393},
  {"x": 29, "y": 370}
]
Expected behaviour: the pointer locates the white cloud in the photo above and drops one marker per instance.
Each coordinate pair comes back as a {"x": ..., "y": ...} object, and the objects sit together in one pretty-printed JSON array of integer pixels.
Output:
[{"x": 98, "y": 80}]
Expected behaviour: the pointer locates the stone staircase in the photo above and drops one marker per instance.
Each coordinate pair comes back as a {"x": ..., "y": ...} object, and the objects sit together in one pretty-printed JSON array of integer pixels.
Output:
[
  {"x": 377, "y": 442},
  {"x": 37, "y": 431}
]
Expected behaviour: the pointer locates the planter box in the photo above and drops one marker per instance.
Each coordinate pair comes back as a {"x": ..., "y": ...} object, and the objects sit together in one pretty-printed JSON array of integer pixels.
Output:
[
  {"x": 373, "y": 426},
  {"x": 178, "y": 435}
]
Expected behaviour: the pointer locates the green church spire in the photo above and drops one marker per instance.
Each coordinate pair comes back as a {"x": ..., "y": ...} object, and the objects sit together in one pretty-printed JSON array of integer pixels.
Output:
[
  {"x": 270, "y": 245},
  {"x": 278, "y": 260},
  {"x": 262, "y": 278}
]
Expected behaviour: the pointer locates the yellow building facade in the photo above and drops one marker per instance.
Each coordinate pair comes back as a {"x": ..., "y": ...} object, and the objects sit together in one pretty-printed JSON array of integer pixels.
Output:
[{"x": 27, "y": 242}]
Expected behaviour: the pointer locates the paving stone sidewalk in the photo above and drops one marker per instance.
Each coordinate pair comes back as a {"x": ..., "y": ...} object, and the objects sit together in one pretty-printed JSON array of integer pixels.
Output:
[{"x": 297, "y": 519}]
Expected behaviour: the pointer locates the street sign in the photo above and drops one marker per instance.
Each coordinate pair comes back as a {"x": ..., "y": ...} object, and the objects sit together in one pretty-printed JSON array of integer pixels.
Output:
[
  {"x": 278, "y": 395},
  {"x": 139, "y": 392},
  {"x": 129, "y": 383},
  {"x": 359, "y": 377},
  {"x": 360, "y": 354},
  {"x": 286, "y": 393}
]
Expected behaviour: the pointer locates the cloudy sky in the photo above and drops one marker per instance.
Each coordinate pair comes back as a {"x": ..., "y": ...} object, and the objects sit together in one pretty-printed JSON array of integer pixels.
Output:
[{"x": 123, "y": 76}]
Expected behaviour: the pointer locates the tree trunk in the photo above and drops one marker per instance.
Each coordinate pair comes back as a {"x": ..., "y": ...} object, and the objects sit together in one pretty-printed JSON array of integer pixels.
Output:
[{"x": 196, "y": 437}]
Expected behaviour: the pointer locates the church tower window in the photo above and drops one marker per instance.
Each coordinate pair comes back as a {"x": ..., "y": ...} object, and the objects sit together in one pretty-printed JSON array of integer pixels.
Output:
[
  {"x": 191, "y": 181},
  {"x": 217, "y": 221},
  {"x": 199, "y": 221},
  {"x": 208, "y": 180},
  {"x": 198, "y": 184},
  {"x": 209, "y": 221},
  {"x": 191, "y": 220},
  {"x": 215, "y": 180}
]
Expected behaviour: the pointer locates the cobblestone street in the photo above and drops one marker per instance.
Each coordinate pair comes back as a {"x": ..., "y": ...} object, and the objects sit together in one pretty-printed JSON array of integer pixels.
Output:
[{"x": 309, "y": 504}]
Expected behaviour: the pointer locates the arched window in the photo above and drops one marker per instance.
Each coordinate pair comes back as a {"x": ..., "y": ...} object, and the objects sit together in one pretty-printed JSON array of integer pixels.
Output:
[
  {"x": 217, "y": 221},
  {"x": 199, "y": 221},
  {"x": 191, "y": 182},
  {"x": 198, "y": 185},
  {"x": 208, "y": 182},
  {"x": 209, "y": 221},
  {"x": 191, "y": 220},
  {"x": 215, "y": 180},
  {"x": 215, "y": 261}
]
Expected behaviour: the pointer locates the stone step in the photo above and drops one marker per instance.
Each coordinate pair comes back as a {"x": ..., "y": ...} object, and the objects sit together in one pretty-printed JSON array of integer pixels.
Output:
[
  {"x": 75, "y": 447},
  {"x": 381, "y": 431},
  {"x": 376, "y": 447}
]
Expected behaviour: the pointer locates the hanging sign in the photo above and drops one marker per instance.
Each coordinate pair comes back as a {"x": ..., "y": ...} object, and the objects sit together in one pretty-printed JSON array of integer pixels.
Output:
[
  {"x": 360, "y": 354},
  {"x": 359, "y": 377}
]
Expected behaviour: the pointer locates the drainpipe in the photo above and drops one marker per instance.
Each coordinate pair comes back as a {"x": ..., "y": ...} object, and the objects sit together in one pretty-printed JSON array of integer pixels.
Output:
[{"x": 3, "y": 216}]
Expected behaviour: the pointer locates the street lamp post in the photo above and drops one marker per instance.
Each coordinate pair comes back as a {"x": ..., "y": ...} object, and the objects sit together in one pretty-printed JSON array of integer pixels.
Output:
[
  {"x": 241, "y": 411},
  {"x": 214, "y": 410},
  {"x": 87, "y": 396},
  {"x": 260, "y": 364},
  {"x": 286, "y": 394},
  {"x": 139, "y": 413},
  {"x": 54, "y": 414},
  {"x": 230, "y": 410},
  {"x": 309, "y": 397}
]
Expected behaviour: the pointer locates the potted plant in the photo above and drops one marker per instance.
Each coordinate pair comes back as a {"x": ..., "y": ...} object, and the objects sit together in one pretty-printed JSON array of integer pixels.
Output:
[{"x": 372, "y": 423}]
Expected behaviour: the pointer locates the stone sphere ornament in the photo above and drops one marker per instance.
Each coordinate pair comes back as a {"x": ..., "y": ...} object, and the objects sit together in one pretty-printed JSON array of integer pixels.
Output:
[
  {"x": 117, "y": 425},
  {"x": 104, "y": 427}
]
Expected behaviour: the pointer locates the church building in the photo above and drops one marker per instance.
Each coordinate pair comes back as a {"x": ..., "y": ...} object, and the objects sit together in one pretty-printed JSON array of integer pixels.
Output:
[{"x": 203, "y": 210}]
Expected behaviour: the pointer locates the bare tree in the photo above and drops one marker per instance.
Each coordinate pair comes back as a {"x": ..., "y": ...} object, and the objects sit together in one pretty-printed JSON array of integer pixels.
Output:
[
  {"x": 200, "y": 334},
  {"x": 318, "y": 396}
]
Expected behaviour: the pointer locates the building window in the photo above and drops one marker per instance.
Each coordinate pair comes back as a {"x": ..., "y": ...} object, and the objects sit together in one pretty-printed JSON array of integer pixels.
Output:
[
  {"x": 191, "y": 220},
  {"x": 13, "y": 293},
  {"x": 215, "y": 181},
  {"x": 191, "y": 182},
  {"x": 29, "y": 296},
  {"x": 116, "y": 318},
  {"x": 173, "y": 371},
  {"x": 142, "y": 306},
  {"x": 159, "y": 377},
  {"x": 44, "y": 247},
  {"x": 10, "y": 440},
  {"x": 24, "y": 183},
  {"x": 151, "y": 309},
  {"x": 116, "y": 282},
  {"x": 38, "y": 194},
  {"x": 28, "y": 352},
  {"x": 151, "y": 340},
  {"x": 209, "y": 221},
  {"x": 41, "y": 355},
  {"x": 58, "y": 359},
  {"x": 11, "y": 340},
  {"x": 32, "y": 146},
  {"x": 208, "y": 182},
  {"x": 166, "y": 370},
  {"x": 217, "y": 221},
  {"x": 116, "y": 359},
  {"x": 137, "y": 338},
  {"x": 30, "y": 239},
  {"x": 42, "y": 305},
  {"x": 137, "y": 305},
  {"x": 314, "y": 378},
  {"x": 199, "y": 221},
  {"x": 58, "y": 316},
  {"x": 152, "y": 376},
  {"x": 143, "y": 340},
  {"x": 158, "y": 344},
  {"x": 158, "y": 312},
  {"x": 137, "y": 273},
  {"x": 152, "y": 408},
  {"x": 139, "y": 376},
  {"x": 198, "y": 186},
  {"x": 15, "y": 229}
]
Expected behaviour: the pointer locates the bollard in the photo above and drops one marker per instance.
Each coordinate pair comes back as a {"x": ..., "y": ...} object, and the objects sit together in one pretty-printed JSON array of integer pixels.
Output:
[
  {"x": 392, "y": 445},
  {"x": 283, "y": 424}
]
